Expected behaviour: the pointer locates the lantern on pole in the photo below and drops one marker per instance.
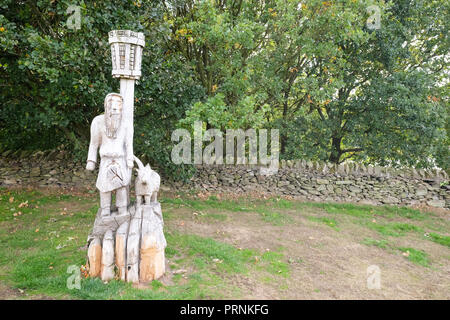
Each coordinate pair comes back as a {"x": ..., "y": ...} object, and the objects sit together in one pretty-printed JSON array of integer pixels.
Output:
[
  {"x": 126, "y": 53},
  {"x": 126, "y": 56},
  {"x": 132, "y": 239}
]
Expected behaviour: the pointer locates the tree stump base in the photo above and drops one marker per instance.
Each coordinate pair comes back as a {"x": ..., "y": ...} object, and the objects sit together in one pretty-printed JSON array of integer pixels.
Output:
[{"x": 129, "y": 247}]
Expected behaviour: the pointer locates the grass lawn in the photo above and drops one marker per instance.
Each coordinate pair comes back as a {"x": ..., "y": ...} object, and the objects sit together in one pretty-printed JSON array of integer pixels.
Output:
[{"x": 231, "y": 249}]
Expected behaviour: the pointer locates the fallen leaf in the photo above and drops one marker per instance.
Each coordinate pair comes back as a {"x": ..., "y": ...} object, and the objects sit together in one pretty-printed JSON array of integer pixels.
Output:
[
  {"x": 37, "y": 230},
  {"x": 23, "y": 204},
  {"x": 11, "y": 199}
]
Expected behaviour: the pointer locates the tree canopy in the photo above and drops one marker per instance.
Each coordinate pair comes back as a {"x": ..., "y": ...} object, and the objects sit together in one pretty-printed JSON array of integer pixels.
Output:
[{"x": 336, "y": 86}]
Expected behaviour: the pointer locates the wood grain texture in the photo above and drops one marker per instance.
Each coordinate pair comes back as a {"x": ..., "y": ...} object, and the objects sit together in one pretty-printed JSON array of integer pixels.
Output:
[
  {"x": 108, "y": 257},
  {"x": 95, "y": 257},
  {"x": 121, "y": 250},
  {"x": 153, "y": 243},
  {"x": 132, "y": 251},
  {"x": 133, "y": 245}
]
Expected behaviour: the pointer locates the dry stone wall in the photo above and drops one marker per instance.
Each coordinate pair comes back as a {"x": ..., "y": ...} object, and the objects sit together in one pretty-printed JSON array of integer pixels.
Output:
[
  {"x": 315, "y": 181},
  {"x": 43, "y": 169},
  {"x": 318, "y": 181}
]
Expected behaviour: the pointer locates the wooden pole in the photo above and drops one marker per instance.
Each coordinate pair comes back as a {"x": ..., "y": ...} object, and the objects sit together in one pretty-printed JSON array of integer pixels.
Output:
[{"x": 127, "y": 92}]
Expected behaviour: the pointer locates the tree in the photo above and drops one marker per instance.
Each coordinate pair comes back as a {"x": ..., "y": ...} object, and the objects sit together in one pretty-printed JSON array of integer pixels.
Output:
[
  {"x": 54, "y": 78},
  {"x": 359, "y": 93},
  {"x": 335, "y": 86},
  {"x": 220, "y": 40}
]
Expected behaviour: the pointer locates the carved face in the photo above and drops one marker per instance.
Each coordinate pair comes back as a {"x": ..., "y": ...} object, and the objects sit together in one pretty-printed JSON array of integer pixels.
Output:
[
  {"x": 113, "y": 114},
  {"x": 115, "y": 105}
]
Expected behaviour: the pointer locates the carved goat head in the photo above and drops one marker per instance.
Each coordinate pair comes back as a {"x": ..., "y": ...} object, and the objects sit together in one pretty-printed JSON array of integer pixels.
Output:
[{"x": 144, "y": 173}]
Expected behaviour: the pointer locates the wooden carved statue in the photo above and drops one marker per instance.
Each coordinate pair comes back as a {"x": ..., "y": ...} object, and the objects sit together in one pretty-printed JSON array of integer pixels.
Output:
[{"x": 111, "y": 135}]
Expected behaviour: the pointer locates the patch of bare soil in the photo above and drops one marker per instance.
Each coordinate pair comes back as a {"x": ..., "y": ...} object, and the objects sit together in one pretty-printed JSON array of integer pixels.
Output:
[
  {"x": 324, "y": 263},
  {"x": 440, "y": 212},
  {"x": 8, "y": 293}
]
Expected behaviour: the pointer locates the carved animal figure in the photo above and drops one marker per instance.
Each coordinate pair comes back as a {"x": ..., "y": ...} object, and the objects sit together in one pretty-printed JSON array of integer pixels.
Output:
[{"x": 147, "y": 183}]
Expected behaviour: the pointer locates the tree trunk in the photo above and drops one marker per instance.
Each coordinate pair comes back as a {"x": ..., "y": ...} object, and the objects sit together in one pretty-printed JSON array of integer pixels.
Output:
[{"x": 336, "y": 152}]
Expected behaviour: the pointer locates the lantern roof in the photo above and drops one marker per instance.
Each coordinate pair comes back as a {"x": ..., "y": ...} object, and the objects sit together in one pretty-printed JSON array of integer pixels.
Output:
[{"x": 127, "y": 36}]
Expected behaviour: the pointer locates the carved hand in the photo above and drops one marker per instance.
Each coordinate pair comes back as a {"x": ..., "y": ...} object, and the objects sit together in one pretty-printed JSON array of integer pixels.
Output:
[
  {"x": 90, "y": 165},
  {"x": 130, "y": 164}
]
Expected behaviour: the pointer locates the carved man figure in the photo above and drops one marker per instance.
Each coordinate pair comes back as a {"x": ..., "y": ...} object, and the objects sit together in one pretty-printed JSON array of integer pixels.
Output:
[{"x": 110, "y": 133}]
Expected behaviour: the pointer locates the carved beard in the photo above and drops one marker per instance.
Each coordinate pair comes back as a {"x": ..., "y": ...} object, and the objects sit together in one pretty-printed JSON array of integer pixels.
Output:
[{"x": 112, "y": 124}]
